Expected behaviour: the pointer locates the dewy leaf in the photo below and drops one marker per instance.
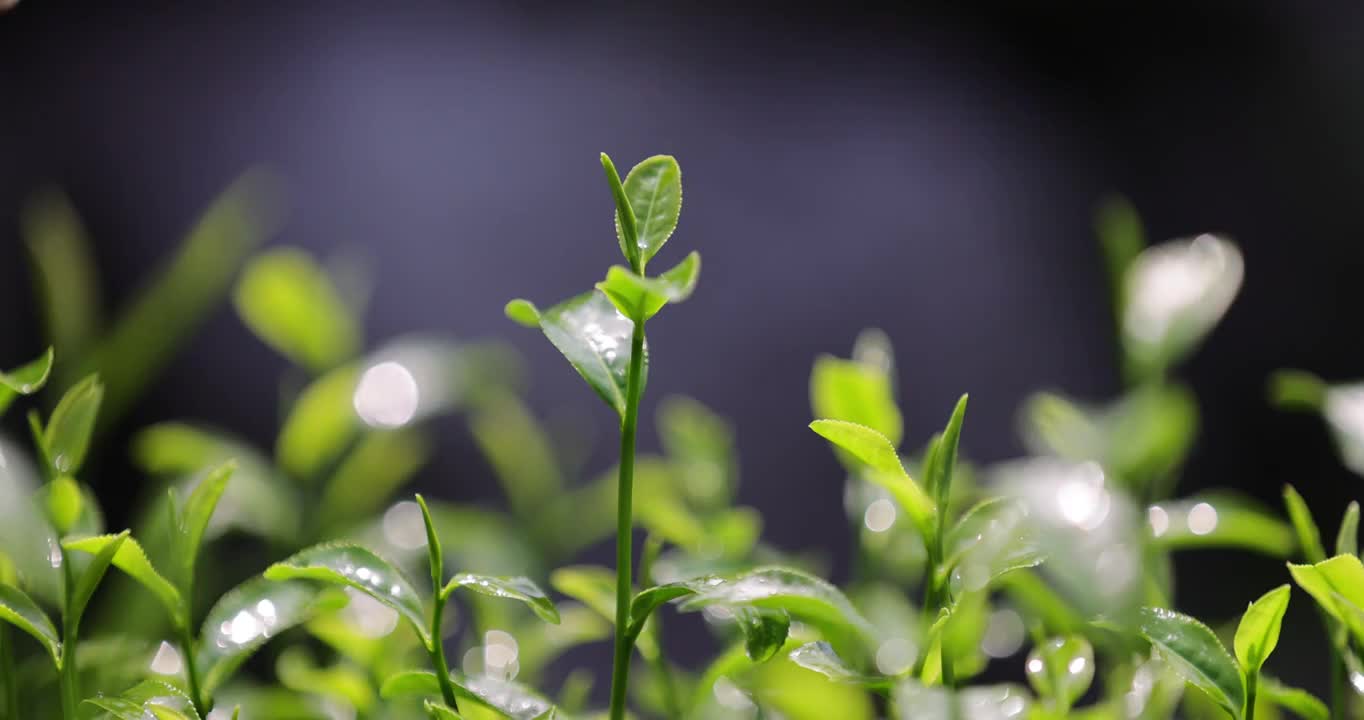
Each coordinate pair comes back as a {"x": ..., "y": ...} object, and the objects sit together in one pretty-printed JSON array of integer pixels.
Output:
[
  {"x": 357, "y": 567},
  {"x": 820, "y": 657},
  {"x": 1061, "y": 669},
  {"x": 513, "y": 588},
  {"x": 856, "y": 392},
  {"x": 67, "y": 437},
  {"x": 30, "y": 377},
  {"x": 197, "y": 512},
  {"x": 595, "y": 338},
  {"x": 874, "y": 450},
  {"x": 155, "y": 698},
  {"x": 765, "y": 631},
  {"x": 511, "y": 699},
  {"x": 1337, "y": 585},
  {"x": 1196, "y": 654},
  {"x": 806, "y": 597},
  {"x": 90, "y": 578},
  {"x": 19, "y": 610},
  {"x": 1347, "y": 539},
  {"x": 640, "y": 298},
  {"x": 320, "y": 424},
  {"x": 1309, "y": 537},
  {"x": 289, "y": 302},
  {"x": 1258, "y": 633},
  {"x": 132, "y": 559},
  {"x": 1220, "y": 520},
  {"x": 654, "y": 190},
  {"x": 249, "y": 615}
]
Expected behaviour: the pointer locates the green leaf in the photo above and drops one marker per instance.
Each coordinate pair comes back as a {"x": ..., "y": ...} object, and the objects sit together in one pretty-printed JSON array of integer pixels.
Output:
[
  {"x": 248, "y": 616},
  {"x": 823, "y": 659},
  {"x": 91, "y": 576},
  {"x": 507, "y": 698},
  {"x": 627, "y": 228},
  {"x": 1196, "y": 654},
  {"x": 1309, "y": 537},
  {"x": 66, "y": 280},
  {"x": 67, "y": 437},
  {"x": 154, "y": 698},
  {"x": 523, "y": 312},
  {"x": 519, "y": 451},
  {"x": 380, "y": 463},
  {"x": 593, "y": 586},
  {"x": 855, "y": 392},
  {"x": 939, "y": 482},
  {"x": 700, "y": 449},
  {"x": 320, "y": 425},
  {"x": 875, "y": 451},
  {"x": 132, "y": 559},
  {"x": 513, "y": 588},
  {"x": 640, "y": 298},
  {"x": 916, "y": 701},
  {"x": 764, "y": 630},
  {"x": 354, "y": 566},
  {"x": 654, "y": 191},
  {"x": 1258, "y": 633},
  {"x": 438, "y": 711},
  {"x": 1217, "y": 520},
  {"x": 1299, "y": 702},
  {"x": 345, "y": 684},
  {"x": 196, "y": 514},
  {"x": 1297, "y": 390},
  {"x": 1061, "y": 669},
  {"x": 596, "y": 339},
  {"x": 28, "y": 378},
  {"x": 805, "y": 597},
  {"x": 1347, "y": 539},
  {"x": 1122, "y": 238},
  {"x": 19, "y": 610},
  {"x": 64, "y": 503},
  {"x": 291, "y": 304},
  {"x": 410, "y": 682},
  {"x": 1337, "y": 584}
]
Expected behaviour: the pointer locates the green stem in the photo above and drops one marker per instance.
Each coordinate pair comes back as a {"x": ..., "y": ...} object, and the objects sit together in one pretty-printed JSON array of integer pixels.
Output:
[
  {"x": 10, "y": 687},
  {"x": 70, "y": 674},
  {"x": 620, "y": 671},
  {"x": 1252, "y": 685},
  {"x": 1337, "y": 684},
  {"x": 672, "y": 706},
  {"x": 447, "y": 689},
  {"x": 196, "y": 692}
]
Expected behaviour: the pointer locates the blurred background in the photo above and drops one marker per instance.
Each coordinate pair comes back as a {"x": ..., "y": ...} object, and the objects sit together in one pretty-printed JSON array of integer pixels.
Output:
[{"x": 931, "y": 169}]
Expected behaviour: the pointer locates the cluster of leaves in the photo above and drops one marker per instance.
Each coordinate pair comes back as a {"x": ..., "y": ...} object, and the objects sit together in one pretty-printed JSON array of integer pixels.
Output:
[{"x": 957, "y": 566}]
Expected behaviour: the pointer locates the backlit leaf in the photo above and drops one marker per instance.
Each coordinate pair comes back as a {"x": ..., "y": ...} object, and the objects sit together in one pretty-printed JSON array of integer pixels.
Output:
[
  {"x": 1218, "y": 520},
  {"x": 1309, "y": 537},
  {"x": 90, "y": 578},
  {"x": 1337, "y": 584},
  {"x": 823, "y": 659},
  {"x": 65, "y": 501},
  {"x": 513, "y": 588},
  {"x": 1347, "y": 539},
  {"x": 640, "y": 298},
  {"x": 150, "y": 698},
  {"x": 876, "y": 452},
  {"x": 19, "y": 610},
  {"x": 654, "y": 190},
  {"x": 25, "y": 379},
  {"x": 855, "y": 392},
  {"x": 1196, "y": 654},
  {"x": 320, "y": 424},
  {"x": 1258, "y": 633},
  {"x": 291, "y": 303},
  {"x": 805, "y": 597},
  {"x": 196, "y": 514},
  {"x": 1299, "y": 702},
  {"x": 132, "y": 559},
  {"x": 66, "y": 280}
]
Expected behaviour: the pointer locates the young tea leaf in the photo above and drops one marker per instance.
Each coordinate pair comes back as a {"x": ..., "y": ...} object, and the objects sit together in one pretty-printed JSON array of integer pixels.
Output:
[
  {"x": 945, "y": 459},
  {"x": 132, "y": 559},
  {"x": 30, "y": 377},
  {"x": 654, "y": 191},
  {"x": 1196, "y": 654},
  {"x": 65, "y": 500},
  {"x": 19, "y": 610},
  {"x": 627, "y": 229},
  {"x": 1309, "y": 537},
  {"x": 438, "y": 711},
  {"x": 1258, "y": 633},
  {"x": 67, "y": 437},
  {"x": 196, "y": 514},
  {"x": 320, "y": 425},
  {"x": 90, "y": 578},
  {"x": 1347, "y": 539},
  {"x": 1337, "y": 585},
  {"x": 804, "y": 596},
  {"x": 513, "y": 588},
  {"x": 876, "y": 452},
  {"x": 821, "y": 657},
  {"x": 640, "y": 298},
  {"x": 149, "y": 698},
  {"x": 856, "y": 392},
  {"x": 66, "y": 280},
  {"x": 410, "y": 682},
  {"x": 289, "y": 302},
  {"x": 354, "y": 566},
  {"x": 764, "y": 630},
  {"x": 1061, "y": 669}
]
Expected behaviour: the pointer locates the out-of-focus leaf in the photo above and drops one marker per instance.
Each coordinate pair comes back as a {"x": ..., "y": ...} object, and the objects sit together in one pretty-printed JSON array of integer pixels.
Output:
[
  {"x": 25, "y": 379},
  {"x": 342, "y": 683},
  {"x": 875, "y": 451},
  {"x": 595, "y": 338},
  {"x": 1220, "y": 520},
  {"x": 992, "y": 538},
  {"x": 19, "y": 610},
  {"x": 1258, "y": 633},
  {"x": 1122, "y": 239},
  {"x": 640, "y": 298},
  {"x": 823, "y": 659},
  {"x": 593, "y": 586},
  {"x": 513, "y": 588},
  {"x": 782, "y": 687},
  {"x": 131, "y": 559},
  {"x": 151, "y": 698},
  {"x": 290, "y": 302},
  {"x": 440, "y": 712},
  {"x": 1176, "y": 292},
  {"x": 196, "y": 514},
  {"x": 410, "y": 682},
  {"x": 249, "y": 615},
  {"x": 357, "y": 567},
  {"x": 1061, "y": 669},
  {"x": 1196, "y": 654},
  {"x": 855, "y": 392},
  {"x": 1309, "y": 537},
  {"x": 700, "y": 448},
  {"x": 1343, "y": 408},
  {"x": 1347, "y": 538},
  {"x": 67, "y": 436},
  {"x": 65, "y": 501},
  {"x": 510, "y": 699},
  {"x": 66, "y": 280},
  {"x": 764, "y": 630},
  {"x": 146, "y": 334},
  {"x": 89, "y": 578},
  {"x": 320, "y": 424},
  {"x": 1299, "y": 702},
  {"x": 1337, "y": 584},
  {"x": 519, "y": 451},
  {"x": 804, "y": 596},
  {"x": 914, "y": 701},
  {"x": 380, "y": 463},
  {"x": 654, "y": 191},
  {"x": 541, "y": 642}
]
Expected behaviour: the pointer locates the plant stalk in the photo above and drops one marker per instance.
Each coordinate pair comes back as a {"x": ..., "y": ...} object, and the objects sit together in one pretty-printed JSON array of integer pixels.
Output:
[
  {"x": 196, "y": 692},
  {"x": 70, "y": 674},
  {"x": 672, "y": 705},
  {"x": 1252, "y": 687},
  {"x": 7, "y": 679},
  {"x": 447, "y": 690},
  {"x": 620, "y": 671}
]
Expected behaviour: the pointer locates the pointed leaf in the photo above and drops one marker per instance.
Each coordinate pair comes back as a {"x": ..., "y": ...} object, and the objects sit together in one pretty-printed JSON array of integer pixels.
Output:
[
  {"x": 30, "y": 377},
  {"x": 1258, "y": 633},
  {"x": 593, "y": 586},
  {"x": 132, "y": 559},
  {"x": 627, "y": 229},
  {"x": 1347, "y": 539},
  {"x": 654, "y": 190},
  {"x": 365, "y": 479},
  {"x": 596, "y": 339},
  {"x": 90, "y": 578},
  {"x": 855, "y": 392},
  {"x": 320, "y": 425},
  {"x": 357, "y": 567},
  {"x": 876, "y": 452},
  {"x": 764, "y": 630},
  {"x": 1337, "y": 585},
  {"x": 821, "y": 658},
  {"x": 945, "y": 459},
  {"x": 66, "y": 280},
  {"x": 512, "y": 700},
  {"x": 150, "y": 698},
  {"x": 806, "y": 597},
  {"x": 197, "y": 512},
  {"x": 19, "y": 610},
  {"x": 1299, "y": 702},
  {"x": 1196, "y": 654},
  {"x": 438, "y": 711},
  {"x": 640, "y": 298},
  {"x": 513, "y": 588},
  {"x": 67, "y": 437},
  {"x": 1217, "y": 520},
  {"x": 249, "y": 615},
  {"x": 1309, "y": 537},
  {"x": 291, "y": 304}
]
